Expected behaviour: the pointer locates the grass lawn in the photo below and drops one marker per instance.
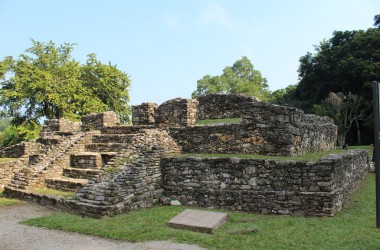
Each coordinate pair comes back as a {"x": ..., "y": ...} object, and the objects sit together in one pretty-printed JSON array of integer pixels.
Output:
[
  {"x": 6, "y": 201},
  {"x": 352, "y": 228}
]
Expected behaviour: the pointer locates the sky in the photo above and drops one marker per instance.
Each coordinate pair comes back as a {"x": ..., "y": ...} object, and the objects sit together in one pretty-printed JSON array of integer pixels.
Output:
[{"x": 166, "y": 46}]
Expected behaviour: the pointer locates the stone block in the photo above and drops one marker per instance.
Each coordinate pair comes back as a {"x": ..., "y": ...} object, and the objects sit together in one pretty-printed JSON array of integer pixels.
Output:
[
  {"x": 198, "y": 220},
  {"x": 143, "y": 114},
  {"x": 177, "y": 113}
]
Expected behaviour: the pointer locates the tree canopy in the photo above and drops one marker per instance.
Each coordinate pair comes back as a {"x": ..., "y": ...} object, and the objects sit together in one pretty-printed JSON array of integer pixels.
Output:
[
  {"x": 48, "y": 82},
  {"x": 241, "y": 78},
  {"x": 346, "y": 63}
]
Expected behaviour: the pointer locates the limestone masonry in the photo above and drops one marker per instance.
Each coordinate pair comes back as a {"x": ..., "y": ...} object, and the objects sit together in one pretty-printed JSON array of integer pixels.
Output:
[{"x": 114, "y": 168}]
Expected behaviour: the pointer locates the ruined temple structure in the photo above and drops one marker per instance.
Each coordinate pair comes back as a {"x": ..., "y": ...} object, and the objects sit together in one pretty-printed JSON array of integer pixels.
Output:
[{"x": 115, "y": 168}]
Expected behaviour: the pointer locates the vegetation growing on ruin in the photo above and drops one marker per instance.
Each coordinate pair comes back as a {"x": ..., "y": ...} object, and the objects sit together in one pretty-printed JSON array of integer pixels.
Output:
[
  {"x": 6, "y": 201},
  {"x": 4, "y": 160},
  {"x": 53, "y": 192},
  {"x": 352, "y": 228},
  {"x": 219, "y": 121},
  {"x": 314, "y": 156}
]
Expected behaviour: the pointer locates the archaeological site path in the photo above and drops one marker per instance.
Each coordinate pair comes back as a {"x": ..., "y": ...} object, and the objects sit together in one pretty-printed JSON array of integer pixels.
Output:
[{"x": 14, "y": 236}]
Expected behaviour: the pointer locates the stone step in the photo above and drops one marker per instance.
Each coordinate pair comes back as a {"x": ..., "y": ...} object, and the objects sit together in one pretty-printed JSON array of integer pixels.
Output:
[
  {"x": 123, "y": 129},
  {"x": 113, "y": 138},
  {"x": 65, "y": 183},
  {"x": 81, "y": 173},
  {"x": 108, "y": 157},
  {"x": 86, "y": 160},
  {"x": 106, "y": 147}
]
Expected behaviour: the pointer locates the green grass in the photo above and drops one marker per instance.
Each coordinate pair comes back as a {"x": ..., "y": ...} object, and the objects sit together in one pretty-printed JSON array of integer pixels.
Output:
[
  {"x": 6, "y": 201},
  {"x": 219, "y": 121},
  {"x": 352, "y": 228},
  {"x": 53, "y": 192},
  {"x": 4, "y": 160},
  {"x": 315, "y": 156}
]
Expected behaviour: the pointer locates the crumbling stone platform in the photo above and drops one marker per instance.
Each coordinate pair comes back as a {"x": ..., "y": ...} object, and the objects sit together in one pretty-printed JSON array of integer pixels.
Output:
[{"x": 114, "y": 169}]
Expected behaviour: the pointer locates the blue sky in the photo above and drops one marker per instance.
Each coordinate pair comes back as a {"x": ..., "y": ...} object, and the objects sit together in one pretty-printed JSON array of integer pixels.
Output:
[{"x": 165, "y": 46}]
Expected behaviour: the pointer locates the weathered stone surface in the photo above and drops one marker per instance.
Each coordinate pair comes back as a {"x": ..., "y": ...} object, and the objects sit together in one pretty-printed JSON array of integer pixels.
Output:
[
  {"x": 62, "y": 125},
  {"x": 143, "y": 114},
  {"x": 198, "y": 220},
  {"x": 284, "y": 140},
  {"x": 20, "y": 150},
  {"x": 65, "y": 183},
  {"x": 177, "y": 113},
  {"x": 265, "y": 186},
  {"x": 7, "y": 170},
  {"x": 217, "y": 106},
  {"x": 86, "y": 160},
  {"x": 133, "y": 180},
  {"x": 97, "y": 121}
]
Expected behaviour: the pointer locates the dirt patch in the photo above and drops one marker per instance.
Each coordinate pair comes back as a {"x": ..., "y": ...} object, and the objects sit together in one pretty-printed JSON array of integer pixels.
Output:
[{"x": 16, "y": 236}]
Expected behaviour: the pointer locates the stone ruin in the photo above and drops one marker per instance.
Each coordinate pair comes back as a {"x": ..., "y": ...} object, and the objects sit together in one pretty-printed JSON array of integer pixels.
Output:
[{"x": 115, "y": 168}]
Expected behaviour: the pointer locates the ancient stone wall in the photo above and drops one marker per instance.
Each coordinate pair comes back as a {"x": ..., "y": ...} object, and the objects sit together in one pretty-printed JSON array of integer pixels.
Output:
[
  {"x": 266, "y": 129},
  {"x": 216, "y": 106},
  {"x": 7, "y": 170},
  {"x": 97, "y": 121},
  {"x": 134, "y": 181},
  {"x": 177, "y": 113},
  {"x": 283, "y": 140},
  {"x": 20, "y": 150},
  {"x": 265, "y": 186},
  {"x": 143, "y": 114},
  {"x": 271, "y": 114},
  {"x": 62, "y": 125}
]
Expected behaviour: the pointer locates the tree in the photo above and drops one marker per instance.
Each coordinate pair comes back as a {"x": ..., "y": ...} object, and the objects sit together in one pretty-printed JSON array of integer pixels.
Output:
[
  {"x": 348, "y": 62},
  {"x": 15, "y": 134},
  {"x": 4, "y": 123},
  {"x": 46, "y": 82},
  {"x": 241, "y": 78},
  {"x": 284, "y": 96},
  {"x": 344, "y": 110}
]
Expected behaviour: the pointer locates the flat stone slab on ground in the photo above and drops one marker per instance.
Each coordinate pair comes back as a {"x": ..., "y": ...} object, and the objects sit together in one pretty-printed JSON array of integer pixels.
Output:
[{"x": 198, "y": 220}]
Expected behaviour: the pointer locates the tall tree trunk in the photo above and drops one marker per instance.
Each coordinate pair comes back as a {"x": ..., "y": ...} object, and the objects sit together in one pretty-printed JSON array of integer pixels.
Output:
[{"x": 358, "y": 132}]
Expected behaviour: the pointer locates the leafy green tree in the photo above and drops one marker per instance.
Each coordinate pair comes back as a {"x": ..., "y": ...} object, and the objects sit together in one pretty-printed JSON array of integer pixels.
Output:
[
  {"x": 348, "y": 62},
  {"x": 108, "y": 84},
  {"x": 4, "y": 123},
  {"x": 14, "y": 134},
  {"x": 46, "y": 82},
  {"x": 241, "y": 78},
  {"x": 284, "y": 96}
]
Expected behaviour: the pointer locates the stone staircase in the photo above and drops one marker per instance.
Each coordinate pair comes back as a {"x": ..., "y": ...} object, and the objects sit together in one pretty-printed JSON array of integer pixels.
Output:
[{"x": 81, "y": 167}]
